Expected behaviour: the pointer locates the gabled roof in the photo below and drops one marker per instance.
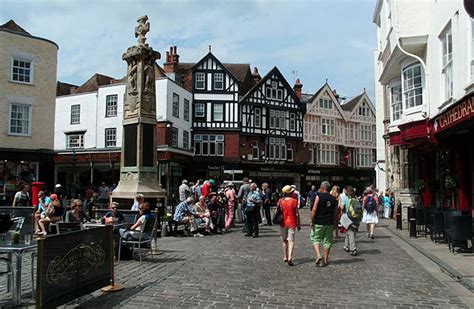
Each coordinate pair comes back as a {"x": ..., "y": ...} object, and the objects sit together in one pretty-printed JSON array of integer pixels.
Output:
[
  {"x": 333, "y": 98},
  {"x": 211, "y": 55},
  {"x": 64, "y": 88},
  {"x": 349, "y": 105},
  {"x": 281, "y": 78},
  {"x": 13, "y": 27},
  {"x": 93, "y": 83},
  {"x": 353, "y": 103}
]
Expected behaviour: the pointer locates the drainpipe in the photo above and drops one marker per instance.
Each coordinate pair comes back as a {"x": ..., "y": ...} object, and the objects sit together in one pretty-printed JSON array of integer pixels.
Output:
[{"x": 425, "y": 69}]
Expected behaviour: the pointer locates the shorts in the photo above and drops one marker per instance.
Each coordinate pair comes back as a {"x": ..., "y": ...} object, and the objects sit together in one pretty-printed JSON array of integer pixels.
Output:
[
  {"x": 287, "y": 233},
  {"x": 322, "y": 233}
]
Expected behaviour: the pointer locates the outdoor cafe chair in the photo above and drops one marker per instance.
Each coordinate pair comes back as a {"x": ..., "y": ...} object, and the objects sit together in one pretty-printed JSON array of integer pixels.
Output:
[
  {"x": 130, "y": 218},
  {"x": 460, "y": 232},
  {"x": 145, "y": 238}
]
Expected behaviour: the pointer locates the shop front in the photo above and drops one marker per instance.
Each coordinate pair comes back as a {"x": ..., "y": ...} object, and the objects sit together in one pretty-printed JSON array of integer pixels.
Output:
[
  {"x": 339, "y": 176},
  {"x": 453, "y": 132},
  {"x": 26, "y": 166}
]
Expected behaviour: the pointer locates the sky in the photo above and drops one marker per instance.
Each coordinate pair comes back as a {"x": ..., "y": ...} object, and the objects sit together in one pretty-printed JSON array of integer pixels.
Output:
[{"x": 312, "y": 40}]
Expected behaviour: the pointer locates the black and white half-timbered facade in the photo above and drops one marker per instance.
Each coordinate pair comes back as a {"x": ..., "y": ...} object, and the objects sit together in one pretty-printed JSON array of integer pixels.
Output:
[
  {"x": 217, "y": 88},
  {"x": 272, "y": 131}
]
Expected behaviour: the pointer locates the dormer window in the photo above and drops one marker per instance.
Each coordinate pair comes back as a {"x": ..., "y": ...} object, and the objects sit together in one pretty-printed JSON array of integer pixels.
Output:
[
  {"x": 325, "y": 103},
  {"x": 273, "y": 92},
  {"x": 200, "y": 82},
  {"x": 364, "y": 109}
]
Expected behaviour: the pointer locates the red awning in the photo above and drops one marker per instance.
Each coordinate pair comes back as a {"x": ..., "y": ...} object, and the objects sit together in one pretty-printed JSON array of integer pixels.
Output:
[
  {"x": 395, "y": 139},
  {"x": 413, "y": 131}
]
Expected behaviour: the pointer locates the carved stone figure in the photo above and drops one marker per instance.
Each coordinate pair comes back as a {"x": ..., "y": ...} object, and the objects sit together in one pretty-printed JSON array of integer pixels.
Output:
[{"x": 142, "y": 29}]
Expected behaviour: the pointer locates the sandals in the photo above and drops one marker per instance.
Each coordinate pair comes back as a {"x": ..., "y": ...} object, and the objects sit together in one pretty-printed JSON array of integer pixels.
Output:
[
  {"x": 353, "y": 252},
  {"x": 290, "y": 263},
  {"x": 318, "y": 261}
]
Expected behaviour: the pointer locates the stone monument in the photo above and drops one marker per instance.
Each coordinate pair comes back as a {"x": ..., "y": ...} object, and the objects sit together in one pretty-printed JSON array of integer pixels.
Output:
[{"x": 138, "y": 164}]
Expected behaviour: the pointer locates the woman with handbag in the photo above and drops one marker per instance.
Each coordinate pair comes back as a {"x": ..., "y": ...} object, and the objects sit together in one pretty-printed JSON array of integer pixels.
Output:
[{"x": 290, "y": 221}]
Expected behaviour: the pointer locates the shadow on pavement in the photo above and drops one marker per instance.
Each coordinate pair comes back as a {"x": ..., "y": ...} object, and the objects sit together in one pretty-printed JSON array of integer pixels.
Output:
[
  {"x": 113, "y": 299},
  {"x": 371, "y": 251},
  {"x": 348, "y": 261}
]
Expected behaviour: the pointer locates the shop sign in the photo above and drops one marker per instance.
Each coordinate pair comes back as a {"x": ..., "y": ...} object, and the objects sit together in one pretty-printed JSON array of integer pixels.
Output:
[
  {"x": 314, "y": 172},
  {"x": 455, "y": 115},
  {"x": 215, "y": 167}
]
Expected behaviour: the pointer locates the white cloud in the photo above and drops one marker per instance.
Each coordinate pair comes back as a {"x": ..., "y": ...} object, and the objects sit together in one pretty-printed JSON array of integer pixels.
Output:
[{"x": 319, "y": 39}]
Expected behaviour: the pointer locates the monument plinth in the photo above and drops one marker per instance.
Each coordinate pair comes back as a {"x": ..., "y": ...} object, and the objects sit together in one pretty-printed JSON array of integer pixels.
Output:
[{"x": 138, "y": 165}]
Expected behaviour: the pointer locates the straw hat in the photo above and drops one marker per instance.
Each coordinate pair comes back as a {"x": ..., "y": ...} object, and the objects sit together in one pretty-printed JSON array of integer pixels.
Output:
[{"x": 287, "y": 189}]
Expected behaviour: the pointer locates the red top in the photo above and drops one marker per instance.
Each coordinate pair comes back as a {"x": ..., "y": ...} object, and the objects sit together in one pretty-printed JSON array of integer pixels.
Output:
[
  {"x": 206, "y": 189},
  {"x": 289, "y": 207}
]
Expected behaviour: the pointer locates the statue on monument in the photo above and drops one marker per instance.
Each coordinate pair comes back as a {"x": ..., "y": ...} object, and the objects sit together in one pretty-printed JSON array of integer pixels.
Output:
[{"x": 142, "y": 29}]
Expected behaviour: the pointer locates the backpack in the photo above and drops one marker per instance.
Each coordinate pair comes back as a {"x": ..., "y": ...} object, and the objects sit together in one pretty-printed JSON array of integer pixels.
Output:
[
  {"x": 355, "y": 210},
  {"x": 371, "y": 204}
]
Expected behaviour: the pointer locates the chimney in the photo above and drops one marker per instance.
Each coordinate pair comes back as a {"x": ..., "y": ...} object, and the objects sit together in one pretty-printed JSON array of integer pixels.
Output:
[
  {"x": 335, "y": 94},
  {"x": 298, "y": 88},
  {"x": 256, "y": 76},
  {"x": 172, "y": 60}
]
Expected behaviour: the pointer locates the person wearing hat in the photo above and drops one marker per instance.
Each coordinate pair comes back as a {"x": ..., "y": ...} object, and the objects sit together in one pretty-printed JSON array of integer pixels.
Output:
[
  {"x": 290, "y": 221},
  {"x": 54, "y": 213},
  {"x": 113, "y": 216}
]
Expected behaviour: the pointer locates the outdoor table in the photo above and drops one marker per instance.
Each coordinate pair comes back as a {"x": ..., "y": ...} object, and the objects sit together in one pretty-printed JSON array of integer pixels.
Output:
[
  {"x": 116, "y": 225},
  {"x": 18, "y": 250}
]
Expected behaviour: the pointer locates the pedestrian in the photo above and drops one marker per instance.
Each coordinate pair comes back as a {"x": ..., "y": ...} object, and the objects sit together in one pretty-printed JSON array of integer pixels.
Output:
[
  {"x": 251, "y": 210},
  {"x": 387, "y": 204},
  {"x": 266, "y": 202},
  {"x": 289, "y": 223},
  {"x": 371, "y": 208},
  {"x": 196, "y": 189},
  {"x": 242, "y": 198},
  {"x": 335, "y": 192},
  {"x": 104, "y": 194},
  {"x": 230, "y": 206},
  {"x": 184, "y": 191},
  {"x": 76, "y": 214},
  {"x": 352, "y": 208},
  {"x": 206, "y": 188},
  {"x": 323, "y": 220},
  {"x": 43, "y": 202},
  {"x": 22, "y": 197},
  {"x": 392, "y": 202},
  {"x": 311, "y": 196}
]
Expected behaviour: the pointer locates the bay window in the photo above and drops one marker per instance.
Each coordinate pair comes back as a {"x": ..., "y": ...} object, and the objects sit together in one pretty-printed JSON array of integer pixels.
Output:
[
  {"x": 327, "y": 154},
  {"x": 209, "y": 145},
  {"x": 396, "y": 101},
  {"x": 364, "y": 157},
  {"x": 412, "y": 86},
  {"x": 276, "y": 148}
]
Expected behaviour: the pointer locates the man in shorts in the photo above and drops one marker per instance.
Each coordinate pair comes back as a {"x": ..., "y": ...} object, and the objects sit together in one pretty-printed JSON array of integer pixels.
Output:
[{"x": 323, "y": 221}]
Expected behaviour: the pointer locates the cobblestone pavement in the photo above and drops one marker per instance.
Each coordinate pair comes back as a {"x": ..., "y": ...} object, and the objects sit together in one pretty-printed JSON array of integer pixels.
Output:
[{"x": 231, "y": 270}]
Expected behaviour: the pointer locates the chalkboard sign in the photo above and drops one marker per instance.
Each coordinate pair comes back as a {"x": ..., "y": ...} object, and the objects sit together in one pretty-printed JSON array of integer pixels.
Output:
[{"x": 73, "y": 264}]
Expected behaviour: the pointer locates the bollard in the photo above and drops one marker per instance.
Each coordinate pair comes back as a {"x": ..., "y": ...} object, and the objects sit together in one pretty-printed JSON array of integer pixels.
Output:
[
  {"x": 412, "y": 221},
  {"x": 399, "y": 216}
]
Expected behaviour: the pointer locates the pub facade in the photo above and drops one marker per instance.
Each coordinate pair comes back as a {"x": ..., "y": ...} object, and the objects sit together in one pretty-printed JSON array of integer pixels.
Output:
[{"x": 424, "y": 88}]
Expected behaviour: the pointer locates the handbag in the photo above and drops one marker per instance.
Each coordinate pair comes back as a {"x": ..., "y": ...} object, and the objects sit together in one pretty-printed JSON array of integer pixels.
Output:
[{"x": 277, "y": 216}]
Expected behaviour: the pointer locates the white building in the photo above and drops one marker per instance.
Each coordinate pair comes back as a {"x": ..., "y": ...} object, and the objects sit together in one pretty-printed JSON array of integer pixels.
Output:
[
  {"x": 88, "y": 129},
  {"x": 423, "y": 72}
]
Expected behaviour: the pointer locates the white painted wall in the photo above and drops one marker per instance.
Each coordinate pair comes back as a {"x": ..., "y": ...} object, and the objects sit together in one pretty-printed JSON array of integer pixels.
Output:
[{"x": 93, "y": 110}]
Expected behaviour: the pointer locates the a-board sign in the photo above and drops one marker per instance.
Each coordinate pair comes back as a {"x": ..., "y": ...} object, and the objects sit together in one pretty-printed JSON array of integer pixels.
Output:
[{"x": 73, "y": 264}]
